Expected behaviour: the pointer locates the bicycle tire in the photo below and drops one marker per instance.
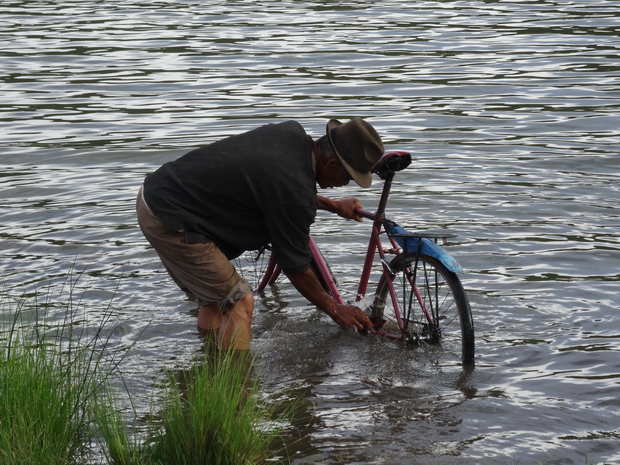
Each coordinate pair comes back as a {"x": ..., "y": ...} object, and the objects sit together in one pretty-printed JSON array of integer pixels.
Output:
[{"x": 443, "y": 295}]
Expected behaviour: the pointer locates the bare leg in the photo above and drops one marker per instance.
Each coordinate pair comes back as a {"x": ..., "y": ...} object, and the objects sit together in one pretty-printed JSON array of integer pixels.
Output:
[
  {"x": 209, "y": 317},
  {"x": 234, "y": 327}
]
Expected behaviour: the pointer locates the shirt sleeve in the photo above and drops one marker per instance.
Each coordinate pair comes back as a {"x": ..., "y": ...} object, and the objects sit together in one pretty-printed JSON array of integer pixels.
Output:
[{"x": 289, "y": 227}]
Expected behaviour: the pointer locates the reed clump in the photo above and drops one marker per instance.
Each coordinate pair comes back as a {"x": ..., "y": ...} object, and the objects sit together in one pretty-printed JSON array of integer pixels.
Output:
[
  {"x": 211, "y": 415},
  {"x": 48, "y": 378}
]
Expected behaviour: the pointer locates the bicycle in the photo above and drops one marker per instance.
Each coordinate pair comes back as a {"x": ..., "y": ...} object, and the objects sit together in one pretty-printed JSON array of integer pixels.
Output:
[{"x": 419, "y": 298}]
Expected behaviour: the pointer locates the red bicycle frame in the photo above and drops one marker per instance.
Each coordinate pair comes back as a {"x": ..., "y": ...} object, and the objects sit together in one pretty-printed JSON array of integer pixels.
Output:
[{"x": 374, "y": 247}]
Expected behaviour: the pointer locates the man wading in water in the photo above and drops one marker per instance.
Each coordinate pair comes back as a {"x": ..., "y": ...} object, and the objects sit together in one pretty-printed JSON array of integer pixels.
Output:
[{"x": 241, "y": 193}]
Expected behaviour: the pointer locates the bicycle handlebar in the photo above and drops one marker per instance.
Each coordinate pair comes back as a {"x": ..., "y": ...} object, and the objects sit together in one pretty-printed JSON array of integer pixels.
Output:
[{"x": 365, "y": 213}]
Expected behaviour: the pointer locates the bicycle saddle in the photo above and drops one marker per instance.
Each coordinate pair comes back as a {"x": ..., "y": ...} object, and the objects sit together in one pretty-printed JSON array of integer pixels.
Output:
[{"x": 391, "y": 162}]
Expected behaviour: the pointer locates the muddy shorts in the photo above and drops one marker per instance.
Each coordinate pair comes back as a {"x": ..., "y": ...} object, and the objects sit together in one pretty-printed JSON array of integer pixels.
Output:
[{"x": 201, "y": 269}]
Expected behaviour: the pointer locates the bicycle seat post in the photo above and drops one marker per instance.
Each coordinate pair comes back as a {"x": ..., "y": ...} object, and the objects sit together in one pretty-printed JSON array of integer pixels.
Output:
[
  {"x": 389, "y": 164},
  {"x": 385, "y": 193}
]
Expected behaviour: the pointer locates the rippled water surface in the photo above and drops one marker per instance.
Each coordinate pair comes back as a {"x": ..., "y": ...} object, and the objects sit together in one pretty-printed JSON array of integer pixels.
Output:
[{"x": 511, "y": 110}]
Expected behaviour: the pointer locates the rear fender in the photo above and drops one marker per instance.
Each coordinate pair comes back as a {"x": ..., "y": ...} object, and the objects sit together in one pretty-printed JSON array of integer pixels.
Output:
[{"x": 428, "y": 247}]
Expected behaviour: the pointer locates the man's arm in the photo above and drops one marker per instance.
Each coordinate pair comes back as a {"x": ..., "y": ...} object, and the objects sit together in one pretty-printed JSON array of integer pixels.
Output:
[
  {"x": 346, "y": 316},
  {"x": 344, "y": 208}
]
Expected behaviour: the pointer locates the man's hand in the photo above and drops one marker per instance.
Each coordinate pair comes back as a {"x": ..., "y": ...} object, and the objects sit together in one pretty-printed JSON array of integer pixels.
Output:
[
  {"x": 344, "y": 208},
  {"x": 346, "y": 316},
  {"x": 351, "y": 317}
]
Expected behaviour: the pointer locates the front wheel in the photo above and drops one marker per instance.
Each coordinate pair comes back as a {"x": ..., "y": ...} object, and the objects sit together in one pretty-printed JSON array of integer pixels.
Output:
[{"x": 432, "y": 305}]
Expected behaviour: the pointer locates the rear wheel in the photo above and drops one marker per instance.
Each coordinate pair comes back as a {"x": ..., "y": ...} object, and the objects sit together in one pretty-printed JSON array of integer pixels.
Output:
[
  {"x": 434, "y": 310},
  {"x": 253, "y": 265}
]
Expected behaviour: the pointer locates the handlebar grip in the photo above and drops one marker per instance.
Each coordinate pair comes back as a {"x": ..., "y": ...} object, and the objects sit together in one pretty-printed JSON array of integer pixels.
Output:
[{"x": 365, "y": 213}]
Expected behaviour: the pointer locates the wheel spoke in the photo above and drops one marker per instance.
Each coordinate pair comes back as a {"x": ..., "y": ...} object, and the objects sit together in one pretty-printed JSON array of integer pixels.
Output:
[{"x": 252, "y": 265}]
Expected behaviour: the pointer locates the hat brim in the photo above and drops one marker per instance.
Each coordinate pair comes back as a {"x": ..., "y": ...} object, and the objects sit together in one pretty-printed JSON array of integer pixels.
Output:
[{"x": 362, "y": 179}]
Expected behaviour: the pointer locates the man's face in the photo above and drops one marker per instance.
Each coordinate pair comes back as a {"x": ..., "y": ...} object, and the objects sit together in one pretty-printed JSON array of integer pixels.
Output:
[{"x": 332, "y": 174}]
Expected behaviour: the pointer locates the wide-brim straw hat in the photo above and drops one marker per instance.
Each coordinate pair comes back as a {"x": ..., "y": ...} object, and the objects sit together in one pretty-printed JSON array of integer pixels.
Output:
[{"x": 358, "y": 147}]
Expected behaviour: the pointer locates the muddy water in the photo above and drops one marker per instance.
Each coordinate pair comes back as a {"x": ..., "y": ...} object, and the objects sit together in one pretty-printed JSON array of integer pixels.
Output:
[{"x": 511, "y": 110}]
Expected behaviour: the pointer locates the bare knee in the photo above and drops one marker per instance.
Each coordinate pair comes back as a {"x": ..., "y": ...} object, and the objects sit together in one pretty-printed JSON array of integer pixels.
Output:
[{"x": 242, "y": 310}]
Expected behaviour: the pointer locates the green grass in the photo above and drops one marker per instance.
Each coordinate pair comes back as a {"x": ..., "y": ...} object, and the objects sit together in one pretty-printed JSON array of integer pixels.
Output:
[
  {"x": 47, "y": 381},
  {"x": 217, "y": 420},
  {"x": 209, "y": 414},
  {"x": 211, "y": 417},
  {"x": 57, "y": 400},
  {"x": 42, "y": 407}
]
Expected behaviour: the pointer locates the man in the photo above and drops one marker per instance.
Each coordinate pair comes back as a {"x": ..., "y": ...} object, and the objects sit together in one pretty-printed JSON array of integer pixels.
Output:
[{"x": 242, "y": 192}]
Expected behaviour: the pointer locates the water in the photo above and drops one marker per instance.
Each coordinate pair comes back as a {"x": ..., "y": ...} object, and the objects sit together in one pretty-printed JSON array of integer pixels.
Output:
[{"x": 511, "y": 110}]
